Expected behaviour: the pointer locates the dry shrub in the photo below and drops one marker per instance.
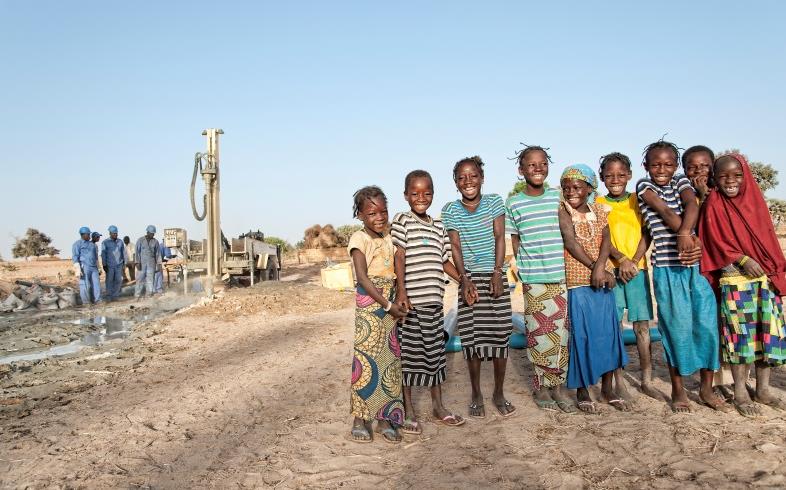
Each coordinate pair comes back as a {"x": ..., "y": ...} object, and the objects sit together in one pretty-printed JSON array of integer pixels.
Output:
[{"x": 320, "y": 237}]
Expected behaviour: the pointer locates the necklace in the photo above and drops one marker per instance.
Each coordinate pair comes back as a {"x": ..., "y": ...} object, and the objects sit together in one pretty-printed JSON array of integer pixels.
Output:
[{"x": 470, "y": 205}]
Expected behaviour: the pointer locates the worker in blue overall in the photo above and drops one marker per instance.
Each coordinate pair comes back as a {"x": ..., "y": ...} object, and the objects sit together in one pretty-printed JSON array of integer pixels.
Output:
[
  {"x": 85, "y": 262},
  {"x": 113, "y": 258}
]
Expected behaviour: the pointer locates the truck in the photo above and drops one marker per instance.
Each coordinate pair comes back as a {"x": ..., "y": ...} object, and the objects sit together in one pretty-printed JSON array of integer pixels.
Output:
[{"x": 245, "y": 259}]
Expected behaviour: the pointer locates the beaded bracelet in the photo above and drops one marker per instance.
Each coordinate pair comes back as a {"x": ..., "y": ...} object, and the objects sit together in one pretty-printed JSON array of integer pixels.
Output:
[{"x": 743, "y": 260}]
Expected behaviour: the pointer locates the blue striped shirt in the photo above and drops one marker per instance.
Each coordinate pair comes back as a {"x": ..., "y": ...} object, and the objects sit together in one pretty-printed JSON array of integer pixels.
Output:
[
  {"x": 476, "y": 230},
  {"x": 535, "y": 219},
  {"x": 665, "y": 253}
]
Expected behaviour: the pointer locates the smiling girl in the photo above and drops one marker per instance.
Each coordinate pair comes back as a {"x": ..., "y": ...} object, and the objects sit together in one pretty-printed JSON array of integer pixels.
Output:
[
  {"x": 476, "y": 227},
  {"x": 744, "y": 260}
]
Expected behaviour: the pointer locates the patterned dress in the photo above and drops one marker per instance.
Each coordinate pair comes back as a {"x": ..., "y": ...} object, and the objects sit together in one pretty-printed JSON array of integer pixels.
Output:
[{"x": 376, "y": 365}]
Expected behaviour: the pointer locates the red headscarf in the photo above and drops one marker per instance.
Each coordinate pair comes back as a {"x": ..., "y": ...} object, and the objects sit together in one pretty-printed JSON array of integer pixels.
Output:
[{"x": 730, "y": 227}]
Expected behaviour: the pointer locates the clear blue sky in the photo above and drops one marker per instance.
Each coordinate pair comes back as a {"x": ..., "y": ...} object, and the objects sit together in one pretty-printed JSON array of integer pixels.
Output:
[{"x": 103, "y": 103}]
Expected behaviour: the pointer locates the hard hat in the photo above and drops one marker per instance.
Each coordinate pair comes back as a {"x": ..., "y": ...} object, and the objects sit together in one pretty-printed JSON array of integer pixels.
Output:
[
  {"x": 151, "y": 229},
  {"x": 84, "y": 230},
  {"x": 113, "y": 229},
  {"x": 95, "y": 234}
]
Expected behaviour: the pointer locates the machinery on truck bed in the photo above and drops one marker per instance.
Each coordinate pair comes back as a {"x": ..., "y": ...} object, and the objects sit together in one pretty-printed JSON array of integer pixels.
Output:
[{"x": 246, "y": 258}]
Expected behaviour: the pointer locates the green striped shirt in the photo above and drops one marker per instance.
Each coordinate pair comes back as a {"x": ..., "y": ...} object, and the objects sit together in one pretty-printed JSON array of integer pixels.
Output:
[{"x": 476, "y": 230}]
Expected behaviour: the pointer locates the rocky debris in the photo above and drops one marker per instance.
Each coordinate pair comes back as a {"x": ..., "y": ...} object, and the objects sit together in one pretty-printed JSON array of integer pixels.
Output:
[{"x": 36, "y": 297}]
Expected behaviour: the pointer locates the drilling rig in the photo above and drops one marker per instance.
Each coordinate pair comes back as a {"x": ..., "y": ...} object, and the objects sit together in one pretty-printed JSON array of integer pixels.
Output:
[{"x": 247, "y": 257}]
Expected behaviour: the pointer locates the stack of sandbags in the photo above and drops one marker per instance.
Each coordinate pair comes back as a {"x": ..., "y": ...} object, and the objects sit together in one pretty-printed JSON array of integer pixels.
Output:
[
  {"x": 48, "y": 301},
  {"x": 12, "y": 303},
  {"x": 67, "y": 298}
]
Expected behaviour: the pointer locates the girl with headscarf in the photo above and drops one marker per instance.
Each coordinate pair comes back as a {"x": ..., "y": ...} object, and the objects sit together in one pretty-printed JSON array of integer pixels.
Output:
[
  {"x": 744, "y": 262},
  {"x": 596, "y": 346}
]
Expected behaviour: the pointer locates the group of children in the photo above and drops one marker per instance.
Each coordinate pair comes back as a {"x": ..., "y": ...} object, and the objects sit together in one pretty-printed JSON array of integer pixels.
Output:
[{"x": 717, "y": 269}]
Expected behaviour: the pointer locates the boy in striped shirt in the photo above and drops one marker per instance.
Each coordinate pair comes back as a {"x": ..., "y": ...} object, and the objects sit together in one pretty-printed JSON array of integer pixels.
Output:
[{"x": 532, "y": 221}]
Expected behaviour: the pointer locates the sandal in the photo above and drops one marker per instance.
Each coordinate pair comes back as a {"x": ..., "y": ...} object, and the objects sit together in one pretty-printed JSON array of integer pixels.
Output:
[
  {"x": 390, "y": 435},
  {"x": 475, "y": 407},
  {"x": 509, "y": 408},
  {"x": 681, "y": 407},
  {"x": 361, "y": 435},
  {"x": 547, "y": 405},
  {"x": 748, "y": 409},
  {"x": 718, "y": 404},
  {"x": 566, "y": 407},
  {"x": 450, "y": 420},
  {"x": 588, "y": 407},
  {"x": 411, "y": 427},
  {"x": 619, "y": 404}
]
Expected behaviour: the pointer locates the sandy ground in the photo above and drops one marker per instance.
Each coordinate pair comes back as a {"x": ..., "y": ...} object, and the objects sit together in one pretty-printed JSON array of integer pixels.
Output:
[{"x": 252, "y": 390}]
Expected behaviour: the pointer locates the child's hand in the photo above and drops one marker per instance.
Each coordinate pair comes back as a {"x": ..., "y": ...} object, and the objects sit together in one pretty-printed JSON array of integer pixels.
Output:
[
  {"x": 693, "y": 255},
  {"x": 700, "y": 184},
  {"x": 403, "y": 300},
  {"x": 610, "y": 282},
  {"x": 752, "y": 268},
  {"x": 684, "y": 243},
  {"x": 468, "y": 291},
  {"x": 496, "y": 288},
  {"x": 397, "y": 311},
  {"x": 598, "y": 277},
  {"x": 628, "y": 270}
]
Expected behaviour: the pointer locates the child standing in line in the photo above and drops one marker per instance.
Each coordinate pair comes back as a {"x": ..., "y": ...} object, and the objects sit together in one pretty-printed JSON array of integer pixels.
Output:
[
  {"x": 687, "y": 309},
  {"x": 629, "y": 243},
  {"x": 596, "y": 346},
  {"x": 376, "y": 366},
  {"x": 744, "y": 260},
  {"x": 476, "y": 227},
  {"x": 421, "y": 260},
  {"x": 533, "y": 225},
  {"x": 697, "y": 162}
]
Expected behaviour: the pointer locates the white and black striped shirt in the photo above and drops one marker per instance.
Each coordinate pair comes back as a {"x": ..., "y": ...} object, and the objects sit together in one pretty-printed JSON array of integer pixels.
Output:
[
  {"x": 426, "y": 247},
  {"x": 664, "y": 239}
]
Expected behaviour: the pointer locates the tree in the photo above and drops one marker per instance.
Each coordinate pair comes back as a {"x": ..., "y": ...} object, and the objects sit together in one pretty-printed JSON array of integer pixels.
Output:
[
  {"x": 283, "y": 244},
  {"x": 33, "y": 244},
  {"x": 777, "y": 211}
]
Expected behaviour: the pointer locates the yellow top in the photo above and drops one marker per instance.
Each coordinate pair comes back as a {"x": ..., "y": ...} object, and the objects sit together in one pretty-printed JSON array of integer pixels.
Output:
[
  {"x": 378, "y": 251},
  {"x": 625, "y": 226}
]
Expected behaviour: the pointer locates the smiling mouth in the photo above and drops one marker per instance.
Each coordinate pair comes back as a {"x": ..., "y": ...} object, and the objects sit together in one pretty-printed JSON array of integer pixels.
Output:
[{"x": 731, "y": 189}]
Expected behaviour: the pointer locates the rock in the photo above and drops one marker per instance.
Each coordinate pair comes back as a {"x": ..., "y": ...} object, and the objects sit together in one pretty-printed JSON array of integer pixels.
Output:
[{"x": 768, "y": 447}]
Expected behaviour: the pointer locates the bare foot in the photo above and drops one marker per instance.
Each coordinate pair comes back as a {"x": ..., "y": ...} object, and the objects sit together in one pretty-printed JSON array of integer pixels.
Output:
[
  {"x": 680, "y": 402},
  {"x": 769, "y": 400},
  {"x": 564, "y": 402},
  {"x": 747, "y": 408}
]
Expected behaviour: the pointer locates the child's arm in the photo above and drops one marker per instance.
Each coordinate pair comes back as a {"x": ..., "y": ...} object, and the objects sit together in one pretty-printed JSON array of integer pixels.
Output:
[
  {"x": 468, "y": 289},
  {"x": 451, "y": 271},
  {"x": 515, "y": 242},
  {"x": 600, "y": 276},
  {"x": 497, "y": 288},
  {"x": 569, "y": 238},
  {"x": 399, "y": 261},
  {"x": 688, "y": 243},
  {"x": 670, "y": 218},
  {"x": 361, "y": 271}
]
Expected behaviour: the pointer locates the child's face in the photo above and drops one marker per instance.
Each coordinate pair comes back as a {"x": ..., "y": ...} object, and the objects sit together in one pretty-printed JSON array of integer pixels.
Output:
[
  {"x": 662, "y": 166},
  {"x": 616, "y": 176},
  {"x": 534, "y": 168},
  {"x": 469, "y": 180},
  {"x": 729, "y": 178},
  {"x": 699, "y": 164},
  {"x": 575, "y": 192},
  {"x": 419, "y": 195},
  {"x": 374, "y": 214}
]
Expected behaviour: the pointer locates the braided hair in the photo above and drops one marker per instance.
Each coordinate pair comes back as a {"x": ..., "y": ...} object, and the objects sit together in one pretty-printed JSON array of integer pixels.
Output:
[
  {"x": 661, "y": 144},
  {"x": 614, "y": 157},
  {"x": 364, "y": 194},
  {"x": 522, "y": 153},
  {"x": 475, "y": 159},
  {"x": 693, "y": 150},
  {"x": 419, "y": 174}
]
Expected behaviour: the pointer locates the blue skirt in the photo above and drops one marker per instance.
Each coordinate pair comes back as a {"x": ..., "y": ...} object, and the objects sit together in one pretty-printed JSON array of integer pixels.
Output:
[
  {"x": 596, "y": 345},
  {"x": 687, "y": 319}
]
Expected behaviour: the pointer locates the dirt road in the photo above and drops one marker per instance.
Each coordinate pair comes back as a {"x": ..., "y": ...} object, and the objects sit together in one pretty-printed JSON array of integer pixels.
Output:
[{"x": 252, "y": 390}]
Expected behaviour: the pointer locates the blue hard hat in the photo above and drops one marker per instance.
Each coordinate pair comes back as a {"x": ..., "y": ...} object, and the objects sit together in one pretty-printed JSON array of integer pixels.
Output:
[
  {"x": 84, "y": 230},
  {"x": 151, "y": 229},
  {"x": 113, "y": 229}
]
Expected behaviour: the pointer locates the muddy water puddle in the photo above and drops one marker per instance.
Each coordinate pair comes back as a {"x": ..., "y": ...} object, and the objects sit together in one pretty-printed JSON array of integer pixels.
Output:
[{"x": 103, "y": 330}]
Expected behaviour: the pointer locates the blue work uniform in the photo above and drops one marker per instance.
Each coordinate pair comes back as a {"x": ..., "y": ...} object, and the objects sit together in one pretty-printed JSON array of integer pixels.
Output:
[
  {"x": 166, "y": 253},
  {"x": 113, "y": 258},
  {"x": 85, "y": 253},
  {"x": 148, "y": 256}
]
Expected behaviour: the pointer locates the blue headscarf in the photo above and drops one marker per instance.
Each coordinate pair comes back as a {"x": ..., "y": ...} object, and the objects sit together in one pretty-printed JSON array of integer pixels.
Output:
[{"x": 583, "y": 172}]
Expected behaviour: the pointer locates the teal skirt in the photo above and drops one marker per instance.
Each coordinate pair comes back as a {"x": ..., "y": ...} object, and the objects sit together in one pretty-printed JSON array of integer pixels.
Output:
[{"x": 687, "y": 319}]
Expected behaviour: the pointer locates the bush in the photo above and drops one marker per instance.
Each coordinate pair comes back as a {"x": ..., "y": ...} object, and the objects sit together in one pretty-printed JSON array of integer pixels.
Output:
[
  {"x": 283, "y": 244},
  {"x": 346, "y": 231}
]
